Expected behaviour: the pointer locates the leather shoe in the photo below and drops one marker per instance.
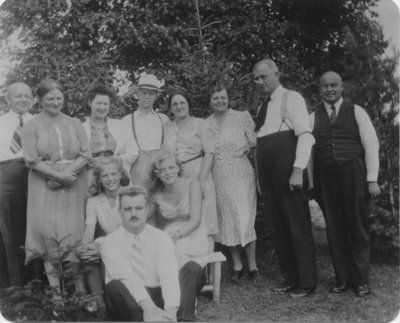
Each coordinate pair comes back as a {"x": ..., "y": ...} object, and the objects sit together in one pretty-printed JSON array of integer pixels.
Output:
[
  {"x": 302, "y": 292},
  {"x": 283, "y": 288},
  {"x": 362, "y": 290},
  {"x": 339, "y": 288}
]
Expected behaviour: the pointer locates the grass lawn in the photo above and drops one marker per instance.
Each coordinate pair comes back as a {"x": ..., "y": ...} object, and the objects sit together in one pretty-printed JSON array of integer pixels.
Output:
[
  {"x": 247, "y": 303},
  {"x": 252, "y": 304}
]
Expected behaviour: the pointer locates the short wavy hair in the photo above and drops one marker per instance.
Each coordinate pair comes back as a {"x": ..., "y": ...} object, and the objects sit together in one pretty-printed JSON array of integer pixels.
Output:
[
  {"x": 182, "y": 92},
  {"x": 99, "y": 163},
  {"x": 99, "y": 90},
  {"x": 48, "y": 85},
  {"x": 163, "y": 155}
]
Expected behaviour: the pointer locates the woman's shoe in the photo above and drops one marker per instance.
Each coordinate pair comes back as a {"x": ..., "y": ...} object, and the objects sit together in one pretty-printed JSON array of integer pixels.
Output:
[
  {"x": 236, "y": 275},
  {"x": 253, "y": 276}
]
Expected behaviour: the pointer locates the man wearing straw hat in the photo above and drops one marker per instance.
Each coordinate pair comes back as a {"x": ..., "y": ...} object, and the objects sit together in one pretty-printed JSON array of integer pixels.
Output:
[{"x": 147, "y": 129}]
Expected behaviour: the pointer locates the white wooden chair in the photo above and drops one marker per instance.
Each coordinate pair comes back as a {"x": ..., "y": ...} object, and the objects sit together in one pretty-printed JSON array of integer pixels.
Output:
[{"x": 213, "y": 268}]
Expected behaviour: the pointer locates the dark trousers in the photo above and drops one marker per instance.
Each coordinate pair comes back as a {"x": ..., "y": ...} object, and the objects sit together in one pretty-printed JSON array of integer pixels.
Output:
[
  {"x": 124, "y": 307},
  {"x": 13, "y": 197},
  {"x": 344, "y": 195},
  {"x": 288, "y": 212}
]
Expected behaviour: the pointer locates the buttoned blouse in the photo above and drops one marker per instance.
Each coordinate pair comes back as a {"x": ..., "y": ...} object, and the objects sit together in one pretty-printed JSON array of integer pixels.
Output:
[
  {"x": 42, "y": 140},
  {"x": 8, "y": 124},
  {"x": 148, "y": 128},
  {"x": 160, "y": 264},
  {"x": 369, "y": 139},
  {"x": 297, "y": 119},
  {"x": 236, "y": 132},
  {"x": 98, "y": 209},
  {"x": 126, "y": 148}
]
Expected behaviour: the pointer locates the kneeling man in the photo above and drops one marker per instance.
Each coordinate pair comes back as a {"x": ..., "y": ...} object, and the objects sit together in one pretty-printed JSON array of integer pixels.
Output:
[{"x": 142, "y": 277}]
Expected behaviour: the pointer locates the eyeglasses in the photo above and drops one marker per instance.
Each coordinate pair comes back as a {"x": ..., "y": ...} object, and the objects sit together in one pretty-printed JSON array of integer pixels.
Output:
[{"x": 163, "y": 171}]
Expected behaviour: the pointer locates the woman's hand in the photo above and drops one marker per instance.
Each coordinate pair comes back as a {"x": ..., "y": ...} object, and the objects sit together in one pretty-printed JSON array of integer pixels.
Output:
[
  {"x": 89, "y": 252},
  {"x": 174, "y": 234},
  {"x": 53, "y": 185},
  {"x": 67, "y": 177}
]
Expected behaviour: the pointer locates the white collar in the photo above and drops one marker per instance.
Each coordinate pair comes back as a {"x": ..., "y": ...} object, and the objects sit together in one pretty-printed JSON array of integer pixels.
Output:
[
  {"x": 337, "y": 104},
  {"x": 277, "y": 92}
]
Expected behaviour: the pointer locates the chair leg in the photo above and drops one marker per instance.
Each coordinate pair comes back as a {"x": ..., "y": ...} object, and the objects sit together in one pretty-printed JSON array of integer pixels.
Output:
[{"x": 216, "y": 280}]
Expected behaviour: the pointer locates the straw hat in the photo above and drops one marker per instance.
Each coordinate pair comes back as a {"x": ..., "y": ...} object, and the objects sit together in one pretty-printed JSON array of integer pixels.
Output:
[{"x": 150, "y": 82}]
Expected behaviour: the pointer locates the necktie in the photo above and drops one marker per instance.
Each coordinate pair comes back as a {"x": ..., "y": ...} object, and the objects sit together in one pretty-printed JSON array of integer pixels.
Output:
[
  {"x": 138, "y": 259},
  {"x": 262, "y": 113},
  {"x": 16, "y": 145},
  {"x": 332, "y": 117}
]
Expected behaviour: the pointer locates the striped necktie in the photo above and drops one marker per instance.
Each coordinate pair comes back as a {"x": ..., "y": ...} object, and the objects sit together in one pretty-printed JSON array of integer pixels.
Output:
[
  {"x": 332, "y": 117},
  {"x": 16, "y": 145},
  {"x": 138, "y": 259}
]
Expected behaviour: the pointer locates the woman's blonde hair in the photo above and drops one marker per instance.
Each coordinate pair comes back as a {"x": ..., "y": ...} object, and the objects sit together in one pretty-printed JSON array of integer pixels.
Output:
[
  {"x": 99, "y": 163},
  {"x": 163, "y": 155}
]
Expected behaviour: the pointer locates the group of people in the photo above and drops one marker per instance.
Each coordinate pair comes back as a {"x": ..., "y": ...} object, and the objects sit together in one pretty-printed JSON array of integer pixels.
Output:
[{"x": 145, "y": 198}]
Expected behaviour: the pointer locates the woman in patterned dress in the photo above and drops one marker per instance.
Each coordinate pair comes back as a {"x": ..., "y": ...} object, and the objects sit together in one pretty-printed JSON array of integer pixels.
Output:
[
  {"x": 189, "y": 139},
  {"x": 107, "y": 136},
  {"x": 234, "y": 181},
  {"x": 56, "y": 150}
]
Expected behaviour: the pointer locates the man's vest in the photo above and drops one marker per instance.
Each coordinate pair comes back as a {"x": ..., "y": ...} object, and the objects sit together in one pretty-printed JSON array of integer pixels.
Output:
[{"x": 340, "y": 142}]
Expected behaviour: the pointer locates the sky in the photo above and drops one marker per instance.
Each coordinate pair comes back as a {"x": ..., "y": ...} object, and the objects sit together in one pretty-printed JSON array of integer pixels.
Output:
[{"x": 388, "y": 16}]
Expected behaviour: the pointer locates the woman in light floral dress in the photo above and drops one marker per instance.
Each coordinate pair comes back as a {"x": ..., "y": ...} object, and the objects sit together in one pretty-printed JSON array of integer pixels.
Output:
[{"x": 234, "y": 180}]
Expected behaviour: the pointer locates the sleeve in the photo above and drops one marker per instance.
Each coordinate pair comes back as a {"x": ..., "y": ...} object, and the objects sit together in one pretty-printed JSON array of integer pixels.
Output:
[
  {"x": 369, "y": 141},
  {"x": 248, "y": 125},
  {"x": 300, "y": 120},
  {"x": 29, "y": 144},
  {"x": 118, "y": 268},
  {"x": 207, "y": 138},
  {"x": 91, "y": 217},
  {"x": 83, "y": 139},
  {"x": 167, "y": 267}
]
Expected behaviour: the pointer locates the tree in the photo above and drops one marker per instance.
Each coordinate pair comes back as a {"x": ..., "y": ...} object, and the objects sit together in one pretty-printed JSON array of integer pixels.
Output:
[{"x": 198, "y": 43}]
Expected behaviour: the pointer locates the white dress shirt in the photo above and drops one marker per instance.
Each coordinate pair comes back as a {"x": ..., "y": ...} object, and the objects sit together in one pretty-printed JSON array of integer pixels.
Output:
[
  {"x": 8, "y": 124},
  {"x": 160, "y": 263},
  {"x": 298, "y": 120},
  {"x": 126, "y": 148},
  {"x": 149, "y": 128},
  {"x": 369, "y": 139}
]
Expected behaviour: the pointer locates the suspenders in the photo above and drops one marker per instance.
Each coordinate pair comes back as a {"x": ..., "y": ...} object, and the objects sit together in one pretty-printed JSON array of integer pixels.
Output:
[
  {"x": 284, "y": 112},
  {"x": 134, "y": 130}
]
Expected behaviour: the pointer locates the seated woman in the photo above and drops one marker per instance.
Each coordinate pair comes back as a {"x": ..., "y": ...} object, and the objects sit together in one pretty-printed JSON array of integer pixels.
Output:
[
  {"x": 179, "y": 201},
  {"x": 102, "y": 218}
]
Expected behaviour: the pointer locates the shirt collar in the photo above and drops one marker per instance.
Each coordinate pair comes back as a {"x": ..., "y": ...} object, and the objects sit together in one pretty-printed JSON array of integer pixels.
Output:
[
  {"x": 16, "y": 115},
  {"x": 139, "y": 113},
  {"x": 337, "y": 104},
  {"x": 131, "y": 238},
  {"x": 277, "y": 92}
]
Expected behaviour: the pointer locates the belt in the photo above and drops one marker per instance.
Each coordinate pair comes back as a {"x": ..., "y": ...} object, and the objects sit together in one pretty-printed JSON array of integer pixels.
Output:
[
  {"x": 193, "y": 158},
  {"x": 274, "y": 135},
  {"x": 10, "y": 161},
  {"x": 106, "y": 153}
]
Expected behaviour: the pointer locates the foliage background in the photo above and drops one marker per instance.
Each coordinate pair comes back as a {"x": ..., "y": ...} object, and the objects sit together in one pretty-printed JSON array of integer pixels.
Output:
[{"x": 198, "y": 43}]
